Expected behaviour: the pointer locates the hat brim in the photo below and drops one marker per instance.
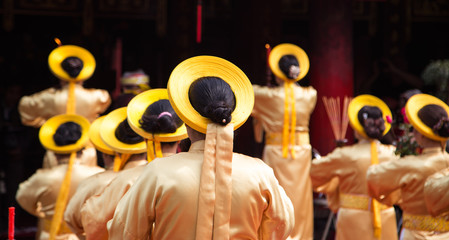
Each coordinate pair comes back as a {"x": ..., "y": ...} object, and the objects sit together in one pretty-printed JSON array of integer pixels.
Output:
[
  {"x": 107, "y": 133},
  {"x": 416, "y": 103},
  {"x": 136, "y": 109},
  {"x": 49, "y": 128},
  {"x": 288, "y": 49},
  {"x": 58, "y": 55},
  {"x": 367, "y": 100},
  {"x": 95, "y": 138},
  {"x": 194, "y": 68}
]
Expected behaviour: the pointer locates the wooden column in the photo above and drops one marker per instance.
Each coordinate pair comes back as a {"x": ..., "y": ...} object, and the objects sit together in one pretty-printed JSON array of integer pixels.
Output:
[{"x": 331, "y": 61}]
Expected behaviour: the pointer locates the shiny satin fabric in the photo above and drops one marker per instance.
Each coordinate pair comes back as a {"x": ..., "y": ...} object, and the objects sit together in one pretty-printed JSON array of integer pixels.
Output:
[
  {"x": 166, "y": 196},
  {"x": 436, "y": 193},
  {"x": 37, "y": 195},
  {"x": 293, "y": 174},
  {"x": 408, "y": 175},
  {"x": 39, "y": 107},
  {"x": 88, "y": 157},
  {"x": 349, "y": 165},
  {"x": 99, "y": 209},
  {"x": 89, "y": 187}
]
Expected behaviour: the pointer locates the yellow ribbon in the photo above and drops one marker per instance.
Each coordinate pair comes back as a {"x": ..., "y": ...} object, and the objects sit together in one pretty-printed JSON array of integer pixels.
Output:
[
  {"x": 61, "y": 201},
  {"x": 288, "y": 137},
  {"x": 119, "y": 161},
  {"x": 71, "y": 100},
  {"x": 150, "y": 151},
  {"x": 375, "y": 206},
  {"x": 158, "y": 149}
]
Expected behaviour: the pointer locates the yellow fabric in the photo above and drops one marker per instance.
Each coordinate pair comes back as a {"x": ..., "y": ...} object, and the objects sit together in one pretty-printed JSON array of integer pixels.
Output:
[
  {"x": 71, "y": 100},
  {"x": 425, "y": 223},
  {"x": 375, "y": 205},
  {"x": 157, "y": 149},
  {"x": 349, "y": 164},
  {"x": 436, "y": 193},
  {"x": 150, "y": 150},
  {"x": 288, "y": 132},
  {"x": 260, "y": 207},
  {"x": 362, "y": 202},
  {"x": 62, "y": 199},
  {"x": 292, "y": 173},
  {"x": 301, "y": 138},
  {"x": 215, "y": 191},
  {"x": 118, "y": 165},
  {"x": 117, "y": 162}
]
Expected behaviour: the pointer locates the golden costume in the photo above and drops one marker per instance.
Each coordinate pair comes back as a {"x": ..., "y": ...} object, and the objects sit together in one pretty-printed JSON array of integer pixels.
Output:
[
  {"x": 409, "y": 175},
  {"x": 268, "y": 113},
  {"x": 257, "y": 213},
  {"x": 349, "y": 165},
  {"x": 209, "y": 192},
  {"x": 99, "y": 209},
  {"x": 436, "y": 193}
]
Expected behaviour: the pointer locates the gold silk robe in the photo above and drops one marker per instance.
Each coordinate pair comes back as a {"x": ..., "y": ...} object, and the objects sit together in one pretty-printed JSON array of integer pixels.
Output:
[
  {"x": 38, "y": 195},
  {"x": 293, "y": 174},
  {"x": 89, "y": 187},
  {"x": 349, "y": 164},
  {"x": 99, "y": 209},
  {"x": 163, "y": 203},
  {"x": 436, "y": 193},
  {"x": 409, "y": 174},
  {"x": 39, "y": 107}
]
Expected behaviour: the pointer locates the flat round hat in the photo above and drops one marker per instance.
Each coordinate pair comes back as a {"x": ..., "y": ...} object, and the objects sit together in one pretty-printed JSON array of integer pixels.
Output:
[
  {"x": 95, "y": 138},
  {"x": 107, "y": 133},
  {"x": 288, "y": 49},
  {"x": 197, "y": 67},
  {"x": 358, "y": 103},
  {"x": 136, "y": 109},
  {"x": 412, "y": 107},
  {"x": 48, "y": 130},
  {"x": 59, "y": 54}
]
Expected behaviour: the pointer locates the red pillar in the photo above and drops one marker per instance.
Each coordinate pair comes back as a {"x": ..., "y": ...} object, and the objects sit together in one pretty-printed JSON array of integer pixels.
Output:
[{"x": 331, "y": 64}]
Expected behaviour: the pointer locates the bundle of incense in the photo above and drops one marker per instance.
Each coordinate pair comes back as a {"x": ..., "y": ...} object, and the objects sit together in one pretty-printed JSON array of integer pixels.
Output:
[{"x": 338, "y": 118}]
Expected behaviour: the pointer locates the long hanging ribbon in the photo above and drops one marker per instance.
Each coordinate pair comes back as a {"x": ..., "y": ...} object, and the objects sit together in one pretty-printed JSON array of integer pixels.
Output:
[
  {"x": 214, "y": 201},
  {"x": 288, "y": 130},
  {"x": 375, "y": 207},
  {"x": 158, "y": 149},
  {"x": 119, "y": 161},
  {"x": 71, "y": 100},
  {"x": 61, "y": 201},
  {"x": 150, "y": 151}
]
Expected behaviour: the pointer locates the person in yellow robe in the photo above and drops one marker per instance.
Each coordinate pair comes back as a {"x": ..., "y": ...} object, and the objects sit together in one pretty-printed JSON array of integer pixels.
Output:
[
  {"x": 208, "y": 192},
  {"x": 368, "y": 117},
  {"x": 436, "y": 193},
  {"x": 120, "y": 141},
  {"x": 429, "y": 118},
  {"x": 72, "y": 65},
  {"x": 152, "y": 117},
  {"x": 283, "y": 112},
  {"x": 66, "y": 135}
]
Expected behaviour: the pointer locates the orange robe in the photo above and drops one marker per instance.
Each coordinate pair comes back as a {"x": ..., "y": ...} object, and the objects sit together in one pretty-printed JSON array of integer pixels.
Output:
[
  {"x": 163, "y": 203},
  {"x": 349, "y": 165},
  {"x": 38, "y": 195},
  {"x": 409, "y": 174},
  {"x": 293, "y": 174}
]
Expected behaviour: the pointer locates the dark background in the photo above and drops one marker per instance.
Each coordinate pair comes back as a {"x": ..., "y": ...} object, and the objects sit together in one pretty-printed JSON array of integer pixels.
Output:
[{"x": 156, "y": 35}]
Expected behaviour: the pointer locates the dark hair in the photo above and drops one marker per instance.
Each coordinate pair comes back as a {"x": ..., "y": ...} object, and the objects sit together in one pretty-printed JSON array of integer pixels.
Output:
[
  {"x": 67, "y": 133},
  {"x": 285, "y": 62},
  {"x": 435, "y": 117},
  {"x": 72, "y": 66},
  {"x": 125, "y": 134},
  {"x": 213, "y": 98},
  {"x": 160, "y": 117},
  {"x": 370, "y": 118}
]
